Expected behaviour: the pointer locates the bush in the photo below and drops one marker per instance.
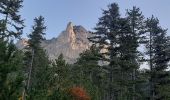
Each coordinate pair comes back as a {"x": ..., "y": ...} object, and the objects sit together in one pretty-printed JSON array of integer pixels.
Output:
[{"x": 79, "y": 93}]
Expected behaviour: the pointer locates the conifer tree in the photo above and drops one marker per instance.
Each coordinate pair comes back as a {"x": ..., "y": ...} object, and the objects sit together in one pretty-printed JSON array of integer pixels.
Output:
[
  {"x": 11, "y": 75},
  {"x": 121, "y": 41},
  {"x": 158, "y": 59},
  {"x": 107, "y": 30},
  {"x": 61, "y": 73},
  {"x": 10, "y": 10},
  {"x": 89, "y": 74},
  {"x": 121, "y": 37},
  {"x": 36, "y": 62},
  {"x": 60, "y": 79},
  {"x": 136, "y": 23}
]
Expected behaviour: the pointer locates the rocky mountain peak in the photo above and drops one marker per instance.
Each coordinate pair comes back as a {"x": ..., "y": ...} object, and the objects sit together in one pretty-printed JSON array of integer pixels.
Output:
[
  {"x": 71, "y": 42},
  {"x": 71, "y": 34},
  {"x": 69, "y": 26}
]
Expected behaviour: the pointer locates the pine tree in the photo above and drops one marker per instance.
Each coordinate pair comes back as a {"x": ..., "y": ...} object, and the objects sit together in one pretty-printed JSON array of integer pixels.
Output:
[
  {"x": 121, "y": 38},
  {"x": 11, "y": 75},
  {"x": 36, "y": 62},
  {"x": 136, "y": 23},
  {"x": 61, "y": 73},
  {"x": 106, "y": 30},
  {"x": 60, "y": 79},
  {"x": 89, "y": 74},
  {"x": 10, "y": 9},
  {"x": 158, "y": 59},
  {"x": 126, "y": 56},
  {"x": 117, "y": 35}
]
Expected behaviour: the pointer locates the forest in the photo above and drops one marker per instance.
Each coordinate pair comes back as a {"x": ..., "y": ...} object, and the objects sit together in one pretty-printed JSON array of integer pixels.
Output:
[{"x": 129, "y": 41}]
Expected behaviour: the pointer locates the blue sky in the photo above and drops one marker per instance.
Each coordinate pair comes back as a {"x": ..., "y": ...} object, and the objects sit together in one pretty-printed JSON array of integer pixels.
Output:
[{"x": 58, "y": 13}]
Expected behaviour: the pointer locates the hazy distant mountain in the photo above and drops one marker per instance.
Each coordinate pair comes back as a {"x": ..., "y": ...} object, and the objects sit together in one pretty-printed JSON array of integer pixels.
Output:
[{"x": 71, "y": 42}]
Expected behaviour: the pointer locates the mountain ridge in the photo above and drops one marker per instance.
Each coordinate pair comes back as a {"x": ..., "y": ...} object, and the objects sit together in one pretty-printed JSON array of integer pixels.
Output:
[{"x": 71, "y": 42}]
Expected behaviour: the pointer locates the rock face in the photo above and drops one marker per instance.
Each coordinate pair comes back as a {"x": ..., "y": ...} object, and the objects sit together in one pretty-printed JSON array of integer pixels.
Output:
[
  {"x": 22, "y": 43},
  {"x": 70, "y": 43}
]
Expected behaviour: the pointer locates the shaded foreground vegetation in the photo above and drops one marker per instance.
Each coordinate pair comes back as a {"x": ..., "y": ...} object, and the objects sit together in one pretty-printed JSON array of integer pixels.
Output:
[{"x": 110, "y": 75}]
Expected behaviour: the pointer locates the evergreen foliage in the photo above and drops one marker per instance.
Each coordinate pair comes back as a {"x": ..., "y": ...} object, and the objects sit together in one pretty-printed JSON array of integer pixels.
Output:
[
  {"x": 12, "y": 19},
  {"x": 158, "y": 59},
  {"x": 11, "y": 59},
  {"x": 36, "y": 62},
  {"x": 11, "y": 75}
]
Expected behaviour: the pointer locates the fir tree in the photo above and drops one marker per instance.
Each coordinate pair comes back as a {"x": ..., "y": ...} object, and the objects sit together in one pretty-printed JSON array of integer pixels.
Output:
[
  {"x": 11, "y": 75},
  {"x": 158, "y": 59},
  {"x": 37, "y": 62},
  {"x": 106, "y": 30},
  {"x": 89, "y": 74},
  {"x": 10, "y": 10},
  {"x": 11, "y": 64},
  {"x": 136, "y": 23},
  {"x": 61, "y": 73},
  {"x": 60, "y": 79}
]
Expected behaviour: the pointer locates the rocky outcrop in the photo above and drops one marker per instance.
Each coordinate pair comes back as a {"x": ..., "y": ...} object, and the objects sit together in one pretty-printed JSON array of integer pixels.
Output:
[
  {"x": 21, "y": 44},
  {"x": 71, "y": 42}
]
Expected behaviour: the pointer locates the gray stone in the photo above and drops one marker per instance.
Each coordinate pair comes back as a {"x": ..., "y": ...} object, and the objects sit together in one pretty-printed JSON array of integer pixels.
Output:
[{"x": 71, "y": 42}]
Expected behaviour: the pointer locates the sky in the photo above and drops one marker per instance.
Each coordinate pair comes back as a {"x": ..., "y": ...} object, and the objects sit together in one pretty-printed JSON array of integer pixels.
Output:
[{"x": 58, "y": 13}]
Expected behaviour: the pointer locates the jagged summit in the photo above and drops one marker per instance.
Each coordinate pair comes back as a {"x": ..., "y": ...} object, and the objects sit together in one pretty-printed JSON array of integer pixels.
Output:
[
  {"x": 69, "y": 26},
  {"x": 71, "y": 42}
]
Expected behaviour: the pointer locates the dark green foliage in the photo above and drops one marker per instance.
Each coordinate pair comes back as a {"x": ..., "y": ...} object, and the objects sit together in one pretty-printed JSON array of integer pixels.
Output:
[
  {"x": 88, "y": 74},
  {"x": 60, "y": 74},
  {"x": 59, "y": 95},
  {"x": 36, "y": 62},
  {"x": 158, "y": 59},
  {"x": 9, "y": 9},
  {"x": 123, "y": 35},
  {"x": 107, "y": 29},
  {"x": 132, "y": 41},
  {"x": 60, "y": 80},
  {"x": 11, "y": 75},
  {"x": 11, "y": 59},
  {"x": 37, "y": 34}
]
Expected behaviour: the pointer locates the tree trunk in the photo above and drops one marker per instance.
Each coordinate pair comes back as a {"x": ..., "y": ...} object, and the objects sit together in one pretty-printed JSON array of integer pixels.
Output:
[
  {"x": 30, "y": 71},
  {"x": 152, "y": 90}
]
